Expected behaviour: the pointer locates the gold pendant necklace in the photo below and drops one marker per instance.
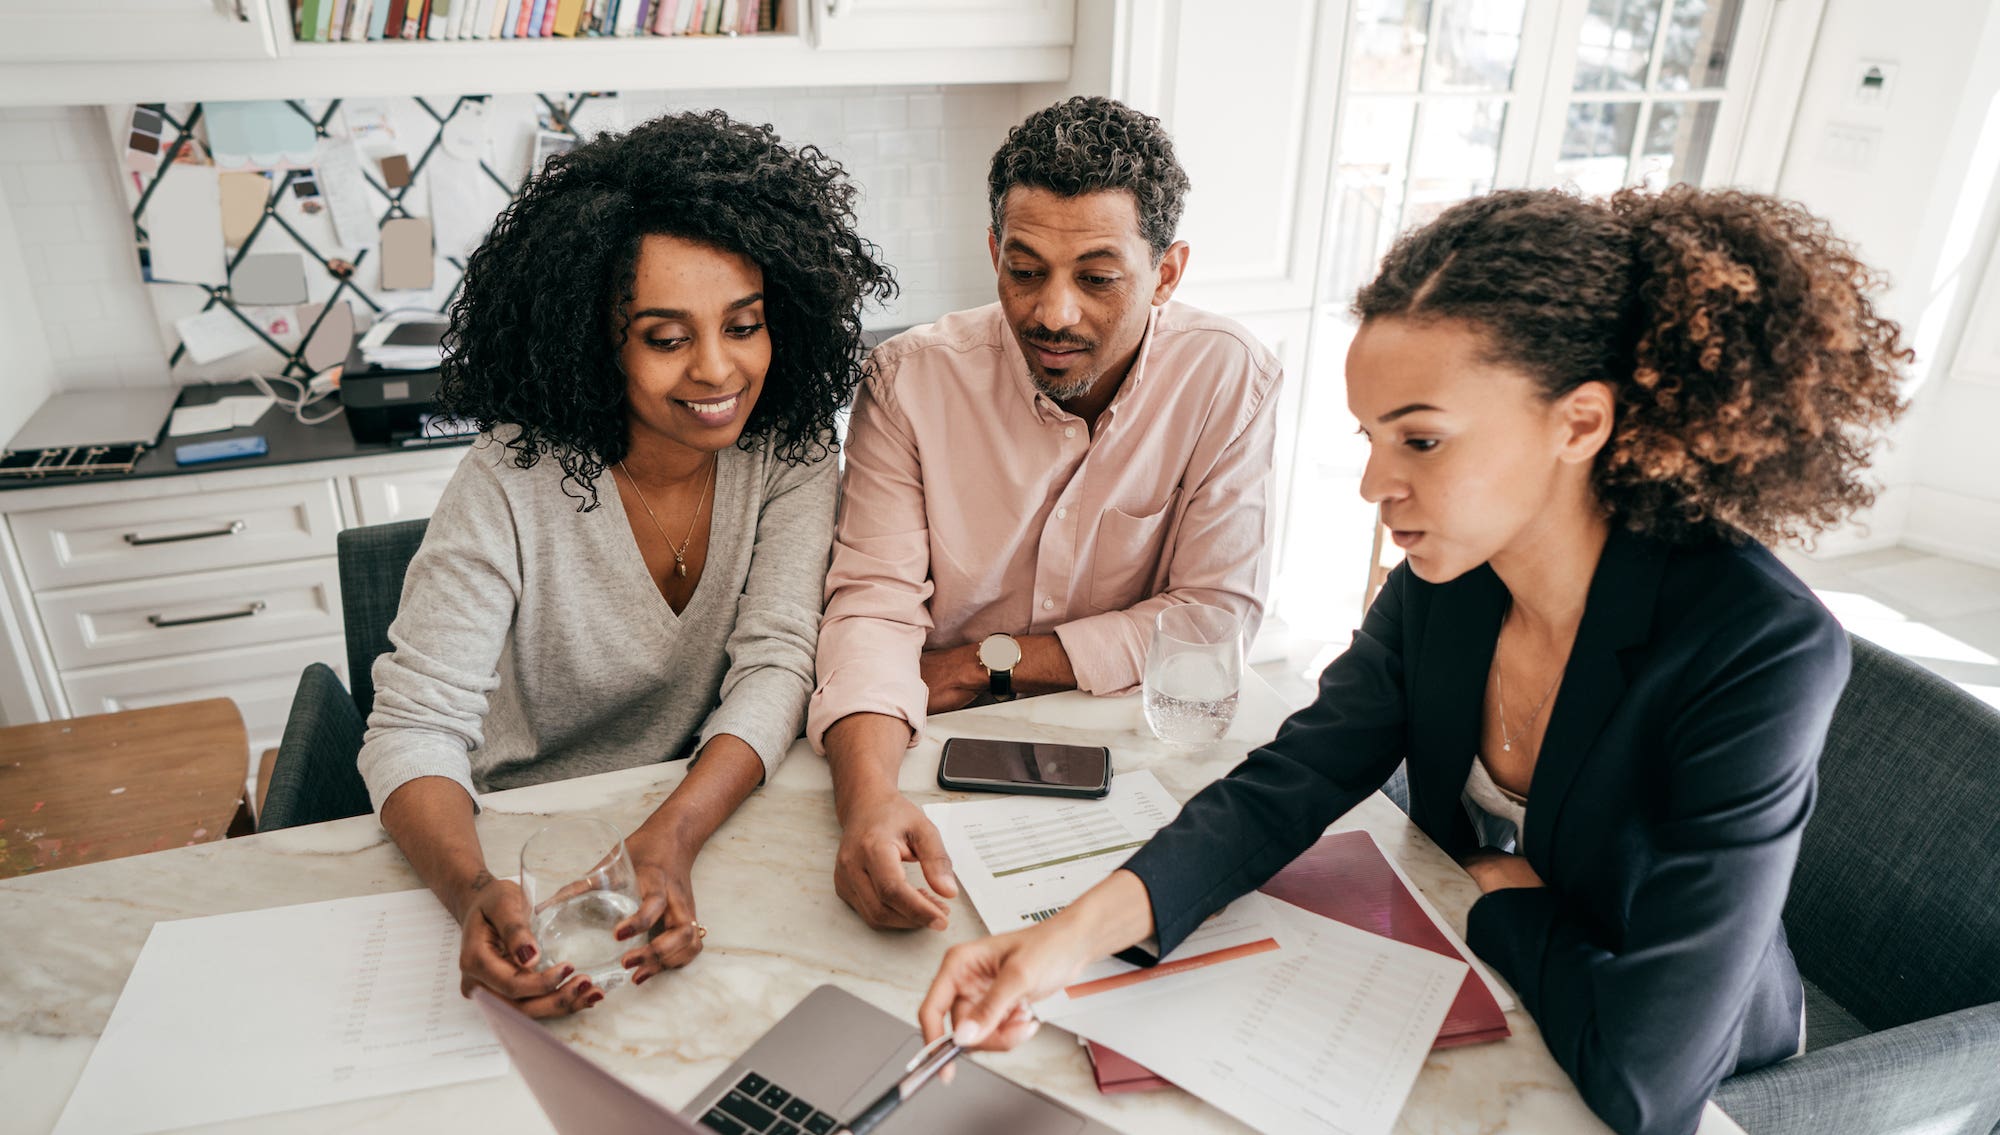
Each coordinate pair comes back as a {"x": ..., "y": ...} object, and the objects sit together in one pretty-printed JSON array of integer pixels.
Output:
[{"x": 680, "y": 564}]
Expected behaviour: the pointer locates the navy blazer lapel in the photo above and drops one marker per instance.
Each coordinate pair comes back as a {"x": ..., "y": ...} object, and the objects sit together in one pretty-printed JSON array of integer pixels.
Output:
[
  {"x": 1618, "y": 613},
  {"x": 1460, "y": 631}
]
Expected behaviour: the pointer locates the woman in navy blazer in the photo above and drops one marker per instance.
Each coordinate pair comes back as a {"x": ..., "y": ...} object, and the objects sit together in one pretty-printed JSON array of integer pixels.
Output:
[{"x": 1582, "y": 417}]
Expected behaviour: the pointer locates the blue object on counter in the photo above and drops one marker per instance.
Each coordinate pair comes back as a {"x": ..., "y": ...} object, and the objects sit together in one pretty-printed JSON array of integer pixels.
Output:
[{"x": 224, "y": 450}]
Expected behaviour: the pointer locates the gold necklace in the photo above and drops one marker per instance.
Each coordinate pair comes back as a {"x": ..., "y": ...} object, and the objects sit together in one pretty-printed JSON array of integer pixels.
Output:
[
  {"x": 1500, "y": 692},
  {"x": 680, "y": 565}
]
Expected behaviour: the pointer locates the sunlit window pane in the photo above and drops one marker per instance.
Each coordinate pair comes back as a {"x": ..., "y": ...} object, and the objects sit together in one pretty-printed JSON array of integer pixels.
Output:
[
  {"x": 1616, "y": 44},
  {"x": 1677, "y": 139},
  {"x": 1597, "y": 143},
  {"x": 1456, "y": 155},
  {"x": 1368, "y": 190},
  {"x": 1477, "y": 44},
  {"x": 1388, "y": 48},
  {"x": 1699, "y": 37}
]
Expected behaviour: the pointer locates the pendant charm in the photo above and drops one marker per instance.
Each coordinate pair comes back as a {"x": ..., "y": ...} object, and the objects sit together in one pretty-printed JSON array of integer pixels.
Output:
[
  {"x": 1507, "y": 747},
  {"x": 680, "y": 569}
]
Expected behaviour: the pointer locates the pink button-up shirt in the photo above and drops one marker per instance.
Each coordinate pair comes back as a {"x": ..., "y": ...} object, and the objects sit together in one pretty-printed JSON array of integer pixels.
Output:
[{"x": 973, "y": 504}]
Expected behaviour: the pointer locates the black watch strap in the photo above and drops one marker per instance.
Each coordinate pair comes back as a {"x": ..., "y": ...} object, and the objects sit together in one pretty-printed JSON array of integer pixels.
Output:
[{"x": 1000, "y": 683}]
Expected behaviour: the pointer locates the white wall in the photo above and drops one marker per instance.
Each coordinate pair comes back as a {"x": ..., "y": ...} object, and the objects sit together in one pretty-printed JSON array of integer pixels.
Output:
[{"x": 1910, "y": 184}]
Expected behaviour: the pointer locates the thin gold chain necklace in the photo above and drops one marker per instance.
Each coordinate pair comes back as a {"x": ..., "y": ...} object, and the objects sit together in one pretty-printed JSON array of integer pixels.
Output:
[
  {"x": 1500, "y": 692},
  {"x": 680, "y": 565}
]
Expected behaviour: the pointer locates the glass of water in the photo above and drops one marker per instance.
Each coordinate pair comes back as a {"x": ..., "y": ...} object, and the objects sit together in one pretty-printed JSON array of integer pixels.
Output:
[
  {"x": 580, "y": 885},
  {"x": 1193, "y": 671}
]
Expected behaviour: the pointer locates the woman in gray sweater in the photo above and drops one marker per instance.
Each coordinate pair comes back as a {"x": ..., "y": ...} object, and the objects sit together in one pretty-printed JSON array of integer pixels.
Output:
[{"x": 666, "y": 322}]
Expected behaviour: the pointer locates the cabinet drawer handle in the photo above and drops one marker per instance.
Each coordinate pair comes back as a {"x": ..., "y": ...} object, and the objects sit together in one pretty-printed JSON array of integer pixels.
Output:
[
  {"x": 230, "y": 529},
  {"x": 163, "y": 622}
]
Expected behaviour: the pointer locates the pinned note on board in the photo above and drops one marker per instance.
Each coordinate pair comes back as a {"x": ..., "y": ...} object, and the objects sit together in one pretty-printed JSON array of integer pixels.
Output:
[
  {"x": 244, "y": 193},
  {"x": 332, "y": 339},
  {"x": 184, "y": 227},
  {"x": 345, "y": 191},
  {"x": 269, "y": 278},
  {"x": 267, "y": 134},
  {"x": 406, "y": 254}
]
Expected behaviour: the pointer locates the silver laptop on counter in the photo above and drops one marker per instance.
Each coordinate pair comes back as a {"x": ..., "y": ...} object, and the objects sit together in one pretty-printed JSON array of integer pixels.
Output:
[{"x": 829, "y": 1058}]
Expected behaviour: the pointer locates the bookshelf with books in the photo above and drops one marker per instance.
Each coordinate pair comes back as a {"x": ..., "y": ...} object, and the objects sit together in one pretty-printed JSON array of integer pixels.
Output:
[{"x": 650, "y": 45}]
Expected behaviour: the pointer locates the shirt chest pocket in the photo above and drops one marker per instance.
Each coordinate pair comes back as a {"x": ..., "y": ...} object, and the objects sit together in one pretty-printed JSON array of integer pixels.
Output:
[{"x": 1128, "y": 563}]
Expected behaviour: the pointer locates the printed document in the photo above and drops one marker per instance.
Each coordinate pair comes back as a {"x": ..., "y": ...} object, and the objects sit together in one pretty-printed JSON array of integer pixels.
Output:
[
  {"x": 1021, "y": 859},
  {"x": 248, "y": 1014},
  {"x": 1327, "y": 1037}
]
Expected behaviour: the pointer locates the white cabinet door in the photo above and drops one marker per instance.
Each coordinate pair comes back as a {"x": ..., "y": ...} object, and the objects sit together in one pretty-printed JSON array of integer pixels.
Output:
[
  {"x": 1249, "y": 100},
  {"x": 406, "y": 494},
  {"x": 140, "y": 31},
  {"x": 946, "y": 24}
]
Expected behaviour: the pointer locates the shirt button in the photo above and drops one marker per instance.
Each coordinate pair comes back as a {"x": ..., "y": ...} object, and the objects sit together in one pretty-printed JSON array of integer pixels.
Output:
[
  {"x": 1062, "y": 514},
  {"x": 1069, "y": 431},
  {"x": 1048, "y": 604}
]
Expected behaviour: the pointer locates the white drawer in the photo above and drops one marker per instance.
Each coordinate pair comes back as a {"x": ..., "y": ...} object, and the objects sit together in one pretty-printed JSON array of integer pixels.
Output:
[
  {"x": 65, "y": 547},
  {"x": 260, "y": 679},
  {"x": 402, "y": 495},
  {"x": 181, "y": 614}
]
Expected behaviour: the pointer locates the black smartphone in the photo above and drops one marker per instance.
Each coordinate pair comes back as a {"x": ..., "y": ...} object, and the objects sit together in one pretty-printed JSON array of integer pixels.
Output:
[{"x": 1037, "y": 768}]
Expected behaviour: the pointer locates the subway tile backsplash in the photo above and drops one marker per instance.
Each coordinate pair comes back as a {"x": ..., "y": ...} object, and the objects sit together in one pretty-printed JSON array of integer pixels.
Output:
[{"x": 919, "y": 155}]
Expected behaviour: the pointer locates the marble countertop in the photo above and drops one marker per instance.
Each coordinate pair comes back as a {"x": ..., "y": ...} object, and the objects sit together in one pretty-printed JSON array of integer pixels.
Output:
[{"x": 776, "y": 930}]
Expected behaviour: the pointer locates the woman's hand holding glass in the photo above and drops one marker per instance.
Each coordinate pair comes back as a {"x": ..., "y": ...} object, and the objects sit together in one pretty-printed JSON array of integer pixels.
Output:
[
  {"x": 666, "y": 903},
  {"x": 497, "y": 950}
]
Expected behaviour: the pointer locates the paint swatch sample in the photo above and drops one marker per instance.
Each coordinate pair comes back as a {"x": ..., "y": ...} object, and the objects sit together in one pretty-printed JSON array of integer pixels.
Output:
[
  {"x": 258, "y": 135},
  {"x": 395, "y": 170},
  {"x": 334, "y": 336},
  {"x": 269, "y": 278},
  {"x": 243, "y": 196},
  {"x": 406, "y": 254}
]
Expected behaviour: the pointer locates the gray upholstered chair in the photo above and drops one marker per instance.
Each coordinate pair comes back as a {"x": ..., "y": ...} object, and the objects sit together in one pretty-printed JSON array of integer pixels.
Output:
[
  {"x": 1894, "y": 918},
  {"x": 315, "y": 777}
]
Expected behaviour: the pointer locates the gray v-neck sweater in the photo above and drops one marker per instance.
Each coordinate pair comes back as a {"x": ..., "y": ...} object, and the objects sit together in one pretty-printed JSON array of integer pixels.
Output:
[{"x": 532, "y": 645}]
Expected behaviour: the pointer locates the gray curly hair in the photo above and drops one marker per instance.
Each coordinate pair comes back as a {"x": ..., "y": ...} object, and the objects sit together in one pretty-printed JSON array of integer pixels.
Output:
[{"x": 1086, "y": 144}]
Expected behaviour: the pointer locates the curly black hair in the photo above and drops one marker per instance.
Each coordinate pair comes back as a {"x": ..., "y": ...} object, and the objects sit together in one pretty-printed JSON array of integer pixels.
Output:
[
  {"x": 537, "y": 329},
  {"x": 1750, "y": 369},
  {"x": 1086, "y": 144}
]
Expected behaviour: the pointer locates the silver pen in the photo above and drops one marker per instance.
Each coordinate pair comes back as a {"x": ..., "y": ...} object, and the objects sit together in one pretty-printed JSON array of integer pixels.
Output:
[{"x": 928, "y": 1062}]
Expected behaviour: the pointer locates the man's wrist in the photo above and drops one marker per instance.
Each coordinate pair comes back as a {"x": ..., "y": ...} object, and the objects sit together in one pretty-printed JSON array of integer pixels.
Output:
[{"x": 971, "y": 674}]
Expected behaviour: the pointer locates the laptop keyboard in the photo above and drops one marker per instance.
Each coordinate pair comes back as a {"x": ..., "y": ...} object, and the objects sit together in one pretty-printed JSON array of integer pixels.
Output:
[{"x": 756, "y": 1106}]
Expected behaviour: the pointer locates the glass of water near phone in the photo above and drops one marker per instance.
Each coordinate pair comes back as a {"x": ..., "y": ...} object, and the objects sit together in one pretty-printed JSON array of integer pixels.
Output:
[
  {"x": 1193, "y": 672},
  {"x": 579, "y": 883}
]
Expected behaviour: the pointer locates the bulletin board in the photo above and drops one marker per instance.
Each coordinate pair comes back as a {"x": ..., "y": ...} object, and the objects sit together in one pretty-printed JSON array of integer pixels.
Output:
[{"x": 320, "y": 203}]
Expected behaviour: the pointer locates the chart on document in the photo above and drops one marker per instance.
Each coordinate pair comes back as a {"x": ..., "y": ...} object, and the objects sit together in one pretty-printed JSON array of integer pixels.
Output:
[
  {"x": 249, "y": 1014},
  {"x": 1025, "y": 858}
]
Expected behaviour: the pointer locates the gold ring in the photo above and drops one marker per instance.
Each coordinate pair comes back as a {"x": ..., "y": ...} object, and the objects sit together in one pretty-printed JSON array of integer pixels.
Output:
[{"x": 700, "y": 931}]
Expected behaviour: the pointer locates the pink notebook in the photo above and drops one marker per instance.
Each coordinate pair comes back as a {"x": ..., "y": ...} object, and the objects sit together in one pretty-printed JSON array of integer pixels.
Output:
[{"x": 1344, "y": 877}]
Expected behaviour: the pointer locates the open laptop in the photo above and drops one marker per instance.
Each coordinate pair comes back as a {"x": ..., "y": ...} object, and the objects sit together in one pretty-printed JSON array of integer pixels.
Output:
[{"x": 823, "y": 1063}]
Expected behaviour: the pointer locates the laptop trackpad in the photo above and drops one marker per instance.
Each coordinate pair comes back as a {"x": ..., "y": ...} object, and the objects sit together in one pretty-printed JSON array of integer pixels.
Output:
[{"x": 978, "y": 1102}]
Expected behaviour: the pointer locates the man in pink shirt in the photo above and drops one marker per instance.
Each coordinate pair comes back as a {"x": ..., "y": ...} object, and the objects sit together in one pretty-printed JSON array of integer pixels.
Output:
[{"x": 1034, "y": 481}]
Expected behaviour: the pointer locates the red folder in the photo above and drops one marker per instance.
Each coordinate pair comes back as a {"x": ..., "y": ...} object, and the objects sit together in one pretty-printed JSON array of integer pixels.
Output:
[{"x": 1346, "y": 878}]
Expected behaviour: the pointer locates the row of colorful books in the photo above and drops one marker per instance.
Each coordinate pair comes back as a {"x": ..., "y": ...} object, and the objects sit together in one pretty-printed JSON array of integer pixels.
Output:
[{"x": 328, "y": 21}]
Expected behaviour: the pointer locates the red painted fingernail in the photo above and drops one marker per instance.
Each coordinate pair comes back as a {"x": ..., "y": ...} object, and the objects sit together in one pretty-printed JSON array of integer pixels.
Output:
[
  {"x": 624, "y": 933},
  {"x": 639, "y": 978},
  {"x": 594, "y": 999},
  {"x": 566, "y": 971},
  {"x": 524, "y": 954}
]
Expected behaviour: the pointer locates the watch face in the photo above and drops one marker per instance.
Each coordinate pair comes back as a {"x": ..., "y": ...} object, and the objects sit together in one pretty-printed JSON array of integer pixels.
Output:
[{"x": 999, "y": 652}]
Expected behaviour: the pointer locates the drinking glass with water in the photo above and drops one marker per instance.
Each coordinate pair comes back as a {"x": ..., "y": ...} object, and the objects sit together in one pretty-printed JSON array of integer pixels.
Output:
[
  {"x": 1193, "y": 671},
  {"x": 580, "y": 885}
]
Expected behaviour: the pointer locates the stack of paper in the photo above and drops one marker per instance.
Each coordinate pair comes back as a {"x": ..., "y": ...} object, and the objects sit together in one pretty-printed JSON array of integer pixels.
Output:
[{"x": 1313, "y": 1026}]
